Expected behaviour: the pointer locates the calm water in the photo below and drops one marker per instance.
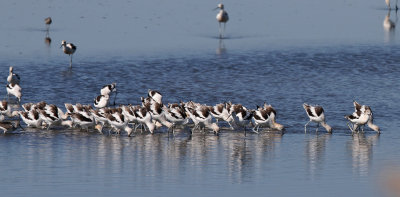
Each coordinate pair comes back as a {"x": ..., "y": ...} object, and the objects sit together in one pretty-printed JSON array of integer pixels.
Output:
[{"x": 283, "y": 53}]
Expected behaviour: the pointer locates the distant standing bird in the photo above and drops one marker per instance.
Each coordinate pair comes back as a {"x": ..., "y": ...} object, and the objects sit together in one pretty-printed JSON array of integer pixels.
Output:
[
  {"x": 222, "y": 17},
  {"x": 48, "y": 21},
  {"x": 12, "y": 77},
  {"x": 316, "y": 114},
  {"x": 108, "y": 89},
  {"x": 68, "y": 49}
]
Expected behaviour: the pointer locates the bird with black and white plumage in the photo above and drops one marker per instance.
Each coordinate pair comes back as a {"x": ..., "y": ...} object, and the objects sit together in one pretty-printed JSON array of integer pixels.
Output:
[
  {"x": 265, "y": 116},
  {"x": 118, "y": 122},
  {"x": 155, "y": 95},
  {"x": 31, "y": 118},
  {"x": 222, "y": 17},
  {"x": 101, "y": 101},
  {"x": 7, "y": 126},
  {"x": 13, "y": 77},
  {"x": 242, "y": 116},
  {"x": 222, "y": 111},
  {"x": 317, "y": 115},
  {"x": 68, "y": 49},
  {"x": 362, "y": 115},
  {"x": 5, "y": 109},
  {"x": 202, "y": 118},
  {"x": 175, "y": 113},
  {"x": 82, "y": 121},
  {"x": 15, "y": 90},
  {"x": 143, "y": 116},
  {"x": 109, "y": 89}
]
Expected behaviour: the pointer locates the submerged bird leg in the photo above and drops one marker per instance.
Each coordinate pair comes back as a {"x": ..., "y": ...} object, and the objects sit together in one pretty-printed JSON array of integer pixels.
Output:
[
  {"x": 316, "y": 130},
  {"x": 220, "y": 30},
  {"x": 70, "y": 61},
  {"x": 223, "y": 32},
  {"x": 115, "y": 97},
  {"x": 305, "y": 126}
]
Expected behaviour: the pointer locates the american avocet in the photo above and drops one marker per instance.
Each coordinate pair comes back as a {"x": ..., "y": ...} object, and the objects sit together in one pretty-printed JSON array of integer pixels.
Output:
[
  {"x": 14, "y": 89},
  {"x": 155, "y": 95},
  {"x": 82, "y": 121},
  {"x": 361, "y": 116},
  {"x": 100, "y": 116},
  {"x": 109, "y": 89},
  {"x": 222, "y": 17},
  {"x": 31, "y": 118},
  {"x": 157, "y": 113},
  {"x": 68, "y": 49},
  {"x": 201, "y": 117},
  {"x": 48, "y": 21},
  {"x": 6, "y": 110},
  {"x": 265, "y": 116},
  {"x": 241, "y": 115},
  {"x": 9, "y": 125},
  {"x": 222, "y": 111},
  {"x": 101, "y": 101},
  {"x": 175, "y": 114},
  {"x": 118, "y": 122},
  {"x": 316, "y": 114},
  {"x": 143, "y": 116},
  {"x": 13, "y": 77},
  {"x": 51, "y": 120}
]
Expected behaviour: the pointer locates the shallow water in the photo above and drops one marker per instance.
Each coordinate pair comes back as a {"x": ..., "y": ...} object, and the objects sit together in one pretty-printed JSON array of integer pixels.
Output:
[{"x": 293, "y": 53}]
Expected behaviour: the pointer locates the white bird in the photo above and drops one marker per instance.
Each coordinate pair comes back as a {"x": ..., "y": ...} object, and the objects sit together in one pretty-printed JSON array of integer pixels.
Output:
[
  {"x": 155, "y": 95},
  {"x": 175, "y": 114},
  {"x": 361, "y": 116},
  {"x": 316, "y": 114},
  {"x": 12, "y": 77},
  {"x": 222, "y": 17},
  {"x": 265, "y": 116},
  {"x": 222, "y": 111},
  {"x": 109, "y": 89},
  {"x": 144, "y": 117},
  {"x": 201, "y": 117},
  {"x": 101, "y": 101},
  {"x": 241, "y": 115},
  {"x": 31, "y": 118},
  {"x": 15, "y": 90},
  {"x": 68, "y": 49}
]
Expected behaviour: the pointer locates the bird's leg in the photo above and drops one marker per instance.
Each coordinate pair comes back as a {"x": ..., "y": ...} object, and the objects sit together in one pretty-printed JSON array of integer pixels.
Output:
[
  {"x": 115, "y": 97},
  {"x": 317, "y": 128},
  {"x": 223, "y": 32},
  {"x": 305, "y": 126},
  {"x": 70, "y": 61},
  {"x": 220, "y": 34}
]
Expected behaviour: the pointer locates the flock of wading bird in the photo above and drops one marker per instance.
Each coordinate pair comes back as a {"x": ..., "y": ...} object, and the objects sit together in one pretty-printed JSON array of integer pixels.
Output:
[{"x": 153, "y": 114}]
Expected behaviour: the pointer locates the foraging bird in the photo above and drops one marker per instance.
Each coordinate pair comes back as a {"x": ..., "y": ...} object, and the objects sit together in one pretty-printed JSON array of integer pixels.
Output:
[
  {"x": 13, "y": 77},
  {"x": 265, "y": 116},
  {"x": 316, "y": 114},
  {"x": 222, "y": 17},
  {"x": 361, "y": 116},
  {"x": 9, "y": 125},
  {"x": 14, "y": 89},
  {"x": 68, "y": 49}
]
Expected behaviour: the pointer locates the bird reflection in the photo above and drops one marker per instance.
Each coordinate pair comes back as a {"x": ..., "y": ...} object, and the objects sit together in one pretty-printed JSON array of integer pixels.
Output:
[
  {"x": 360, "y": 148},
  {"x": 221, "y": 47},
  {"x": 389, "y": 28},
  {"x": 315, "y": 150}
]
